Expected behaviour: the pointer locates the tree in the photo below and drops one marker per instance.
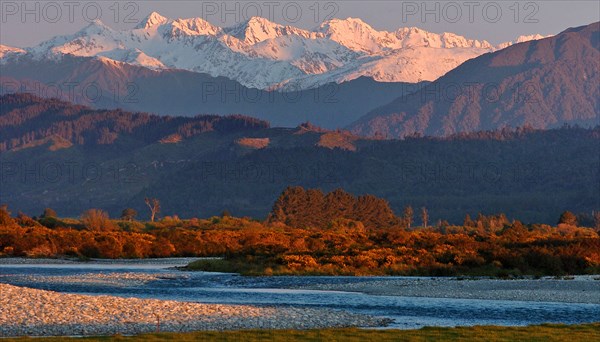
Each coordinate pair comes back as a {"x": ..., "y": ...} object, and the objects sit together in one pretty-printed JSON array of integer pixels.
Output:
[
  {"x": 568, "y": 218},
  {"x": 154, "y": 206},
  {"x": 424, "y": 217},
  {"x": 336, "y": 204},
  {"x": 408, "y": 216},
  {"x": 468, "y": 222},
  {"x": 97, "y": 220},
  {"x": 300, "y": 208},
  {"x": 373, "y": 212},
  {"x": 48, "y": 212},
  {"x": 128, "y": 214},
  {"x": 5, "y": 219}
]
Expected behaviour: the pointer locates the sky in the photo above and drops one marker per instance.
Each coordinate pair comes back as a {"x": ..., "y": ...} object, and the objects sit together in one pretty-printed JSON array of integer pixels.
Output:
[{"x": 27, "y": 23}]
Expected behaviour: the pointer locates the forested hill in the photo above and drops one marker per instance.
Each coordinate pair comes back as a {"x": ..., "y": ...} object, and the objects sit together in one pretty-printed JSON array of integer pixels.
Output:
[
  {"x": 72, "y": 158},
  {"x": 26, "y": 119}
]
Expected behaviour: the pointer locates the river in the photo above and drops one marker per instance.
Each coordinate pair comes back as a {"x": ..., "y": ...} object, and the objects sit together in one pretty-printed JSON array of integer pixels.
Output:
[{"x": 423, "y": 301}]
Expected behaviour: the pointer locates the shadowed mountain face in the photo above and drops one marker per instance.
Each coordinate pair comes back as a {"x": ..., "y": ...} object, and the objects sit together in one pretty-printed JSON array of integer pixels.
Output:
[
  {"x": 73, "y": 158},
  {"x": 544, "y": 83},
  {"x": 107, "y": 84}
]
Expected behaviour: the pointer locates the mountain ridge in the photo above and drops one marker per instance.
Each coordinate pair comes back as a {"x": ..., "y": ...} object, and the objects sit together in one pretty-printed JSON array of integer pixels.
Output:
[{"x": 544, "y": 83}]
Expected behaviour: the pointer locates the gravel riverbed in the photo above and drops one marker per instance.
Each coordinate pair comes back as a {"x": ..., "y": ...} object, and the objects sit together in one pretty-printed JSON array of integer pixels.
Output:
[
  {"x": 578, "y": 289},
  {"x": 125, "y": 279},
  {"x": 31, "y": 312}
]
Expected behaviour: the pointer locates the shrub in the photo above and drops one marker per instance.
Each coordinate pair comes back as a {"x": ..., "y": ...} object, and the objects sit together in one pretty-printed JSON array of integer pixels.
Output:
[{"x": 97, "y": 220}]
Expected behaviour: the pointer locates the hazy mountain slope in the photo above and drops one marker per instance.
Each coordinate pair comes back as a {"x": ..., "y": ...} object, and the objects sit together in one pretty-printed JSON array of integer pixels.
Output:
[
  {"x": 111, "y": 84},
  {"x": 543, "y": 83}
]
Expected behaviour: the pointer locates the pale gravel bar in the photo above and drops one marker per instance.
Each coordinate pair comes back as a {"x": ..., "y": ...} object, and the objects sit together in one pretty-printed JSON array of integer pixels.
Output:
[
  {"x": 583, "y": 289},
  {"x": 31, "y": 312}
]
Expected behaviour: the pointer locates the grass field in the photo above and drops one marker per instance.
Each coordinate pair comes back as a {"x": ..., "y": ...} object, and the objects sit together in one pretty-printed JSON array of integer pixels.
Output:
[{"x": 542, "y": 333}]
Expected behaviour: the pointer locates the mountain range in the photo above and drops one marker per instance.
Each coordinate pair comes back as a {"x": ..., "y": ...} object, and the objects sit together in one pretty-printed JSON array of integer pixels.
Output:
[
  {"x": 543, "y": 83},
  {"x": 186, "y": 67},
  {"x": 262, "y": 54}
]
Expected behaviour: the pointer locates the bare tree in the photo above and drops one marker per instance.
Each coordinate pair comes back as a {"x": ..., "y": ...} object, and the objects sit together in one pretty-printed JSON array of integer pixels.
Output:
[
  {"x": 408, "y": 216},
  {"x": 154, "y": 206},
  {"x": 424, "y": 217}
]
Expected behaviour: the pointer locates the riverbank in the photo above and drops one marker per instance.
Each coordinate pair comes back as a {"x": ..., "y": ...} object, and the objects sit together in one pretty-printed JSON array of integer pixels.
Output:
[
  {"x": 31, "y": 312},
  {"x": 307, "y": 266},
  {"x": 166, "y": 262},
  {"x": 542, "y": 333}
]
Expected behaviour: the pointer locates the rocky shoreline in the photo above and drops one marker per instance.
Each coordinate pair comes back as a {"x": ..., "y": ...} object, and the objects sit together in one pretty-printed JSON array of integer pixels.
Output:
[{"x": 31, "y": 312}]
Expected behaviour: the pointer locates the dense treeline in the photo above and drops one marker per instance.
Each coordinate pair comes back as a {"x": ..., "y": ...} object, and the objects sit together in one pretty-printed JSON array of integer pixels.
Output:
[
  {"x": 530, "y": 176},
  {"x": 25, "y": 118},
  {"x": 292, "y": 242}
]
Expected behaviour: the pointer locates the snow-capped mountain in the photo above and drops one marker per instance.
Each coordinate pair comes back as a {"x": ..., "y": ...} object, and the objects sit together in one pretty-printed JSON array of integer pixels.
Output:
[
  {"x": 522, "y": 39},
  {"x": 266, "y": 55}
]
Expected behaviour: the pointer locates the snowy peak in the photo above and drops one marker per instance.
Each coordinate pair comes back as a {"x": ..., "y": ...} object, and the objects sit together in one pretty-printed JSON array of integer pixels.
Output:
[
  {"x": 7, "y": 52},
  {"x": 521, "y": 39},
  {"x": 357, "y": 35},
  {"x": 451, "y": 40},
  {"x": 194, "y": 27},
  {"x": 257, "y": 29},
  {"x": 5, "y": 49},
  {"x": 95, "y": 27},
  {"x": 411, "y": 37},
  {"x": 152, "y": 20},
  {"x": 134, "y": 57},
  {"x": 345, "y": 26}
]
